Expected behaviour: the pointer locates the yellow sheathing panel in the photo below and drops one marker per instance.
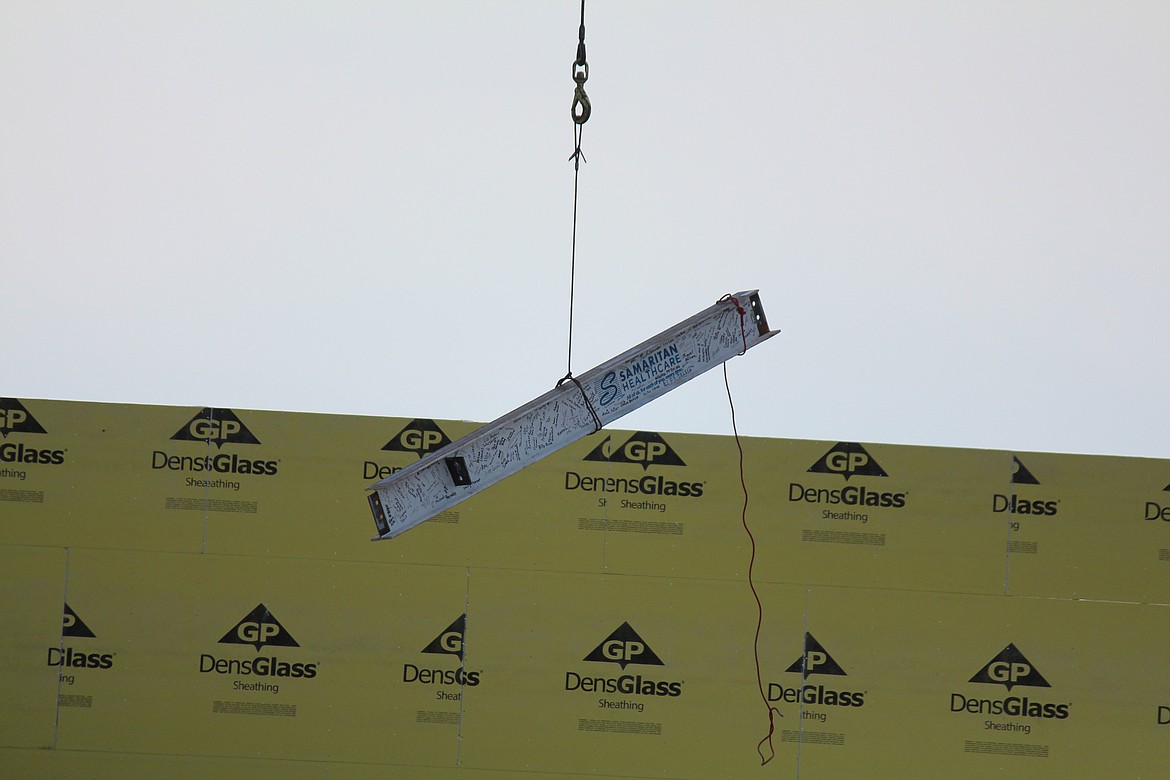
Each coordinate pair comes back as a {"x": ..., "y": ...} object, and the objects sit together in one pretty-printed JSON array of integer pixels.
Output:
[
  {"x": 97, "y": 486},
  {"x": 522, "y": 631},
  {"x": 1088, "y": 527},
  {"x": 871, "y": 515},
  {"x": 972, "y": 686},
  {"x": 28, "y": 765},
  {"x": 277, "y": 658},
  {"x": 665, "y": 504},
  {"x": 53, "y": 764},
  {"x": 615, "y": 675},
  {"x": 32, "y": 595}
]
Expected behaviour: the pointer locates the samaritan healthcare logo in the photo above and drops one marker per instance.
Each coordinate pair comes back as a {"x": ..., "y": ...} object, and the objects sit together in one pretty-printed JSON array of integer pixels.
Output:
[
  {"x": 816, "y": 660},
  {"x": 623, "y": 647},
  {"x": 66, "y": 656},
  {"x": 1011, "y": 669},
  {"x": 419, "y": 437},
  {"x": 218, "y": 427},
  {"x": 848, "y": 460},
  {"x": 1022, "y": 504},
  {"x": 448, "y": 642},
  {"x": 640, "y": 376},
  {"x": 15, "y": 418},
  {"x": 259, "y": 629},
  {"x": 645, "y": 449}
]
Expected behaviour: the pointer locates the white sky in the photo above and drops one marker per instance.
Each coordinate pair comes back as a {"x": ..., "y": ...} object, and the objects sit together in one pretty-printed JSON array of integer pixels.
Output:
[{"x": 958, "y": 213}]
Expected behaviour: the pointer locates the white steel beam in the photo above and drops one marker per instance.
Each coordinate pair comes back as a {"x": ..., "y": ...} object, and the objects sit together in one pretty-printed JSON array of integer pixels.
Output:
[{"x": 570, "y": 411}]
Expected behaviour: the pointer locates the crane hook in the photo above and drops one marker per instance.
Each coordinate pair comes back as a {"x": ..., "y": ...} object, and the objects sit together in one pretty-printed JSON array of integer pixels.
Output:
[{"x": 580, "y": 109}]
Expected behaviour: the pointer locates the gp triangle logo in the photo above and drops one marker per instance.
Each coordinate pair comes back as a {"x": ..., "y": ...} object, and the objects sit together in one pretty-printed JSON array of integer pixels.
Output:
[
  {"x": 848, "y": 459},
  {"x": 74, "y": 626},
  {"x": 216, "y": 426},
  {"x": 1021, "y": 475},
  {"x": 259, "y": 628},
  {"x": 624, "y": 647},
  {"x": 450, "y": 641},
  {"x": 15, "y": 418},
  {"x": 645, "y": 448},
  {"x": 420, "y": 437},
  {"x": 1010, "y": 668},
  {"x": 815, "y": 660}
]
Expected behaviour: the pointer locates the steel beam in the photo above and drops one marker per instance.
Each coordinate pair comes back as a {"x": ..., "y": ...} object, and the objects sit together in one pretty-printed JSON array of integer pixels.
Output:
[{"x": 570, "y": 411}]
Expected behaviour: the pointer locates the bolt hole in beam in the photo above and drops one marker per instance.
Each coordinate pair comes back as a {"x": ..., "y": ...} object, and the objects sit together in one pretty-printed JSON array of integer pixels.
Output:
[{"x": 567, "y": 413}]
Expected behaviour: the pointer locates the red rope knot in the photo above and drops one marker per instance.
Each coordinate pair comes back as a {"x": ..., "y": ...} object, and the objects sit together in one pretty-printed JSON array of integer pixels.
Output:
[{"x": 742, "y": 313}]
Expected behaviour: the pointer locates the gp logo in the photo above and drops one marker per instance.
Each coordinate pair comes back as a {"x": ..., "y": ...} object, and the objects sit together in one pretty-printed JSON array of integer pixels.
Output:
[
  {"x": 15, "y": 418},
  {"x": 214, "y": 429},
  {"x": 645, "y": 448},
  {"x": 815, "y": 660},
  {"x": 1021, "y": 475},
  {"x": 11, "y": 419},
  {"x": 259, "y": 628},
  {"x": 848, "y": 459},
  {"x": 1010, "y": 668},
  {"x": 217, "y": 426},
  {"x": 450, "y": 641},
  {"x": 624, "y": 647},
  {"x": 622, "y": 651},
  {"x": 420, "y": 437},
  {"x": 1008, "y": 673},
  {"x": 72, "y": 625}
]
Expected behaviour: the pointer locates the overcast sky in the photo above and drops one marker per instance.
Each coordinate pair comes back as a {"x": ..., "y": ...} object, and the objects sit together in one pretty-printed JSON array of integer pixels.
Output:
[{"x": 958, "y": 213}]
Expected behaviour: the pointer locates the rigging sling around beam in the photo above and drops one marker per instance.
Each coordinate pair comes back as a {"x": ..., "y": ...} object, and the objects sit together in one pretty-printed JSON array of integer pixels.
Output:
[{"x": 569, "y": 412}]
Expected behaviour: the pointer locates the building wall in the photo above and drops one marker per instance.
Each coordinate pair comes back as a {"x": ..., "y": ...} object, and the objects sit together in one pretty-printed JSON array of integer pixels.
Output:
[{"x": 192, "y": 593}]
